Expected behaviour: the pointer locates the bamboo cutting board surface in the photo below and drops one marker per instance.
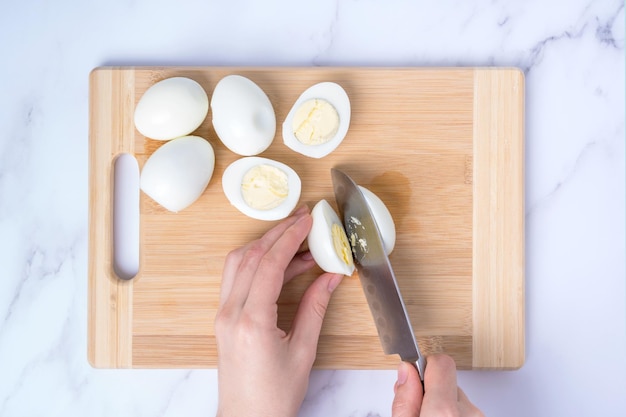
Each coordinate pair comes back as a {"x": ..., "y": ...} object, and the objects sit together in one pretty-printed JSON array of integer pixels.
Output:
[{"x": 442, "y": 147}]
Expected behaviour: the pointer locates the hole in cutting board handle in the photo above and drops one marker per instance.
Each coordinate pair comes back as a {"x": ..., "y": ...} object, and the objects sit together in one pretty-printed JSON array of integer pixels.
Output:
[{"x": 126, "y": 216}]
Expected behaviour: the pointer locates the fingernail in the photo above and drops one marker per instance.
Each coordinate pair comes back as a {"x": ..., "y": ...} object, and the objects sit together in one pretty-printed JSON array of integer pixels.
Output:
[
  {"x": 403, "y": 374},
  {"x": 334, "y": 282},
  {"x": 307, "y": 256},
  {"x": 301, "y": 217},
  {"x": 301, "y": 210}
]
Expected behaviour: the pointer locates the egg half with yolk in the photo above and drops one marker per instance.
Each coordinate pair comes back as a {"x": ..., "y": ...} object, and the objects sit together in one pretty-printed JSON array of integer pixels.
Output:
[
  {"x": 261, "y": 188},
  {"x": 328, "y": 242},
  {"x": 318, "y": 121}
]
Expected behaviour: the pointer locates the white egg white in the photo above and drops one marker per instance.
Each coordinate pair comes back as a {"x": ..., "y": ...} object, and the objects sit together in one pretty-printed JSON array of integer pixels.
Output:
[
  {"x": 320, "y": 240},
  {"x": 171, "y": 108},
  {"x": 383, "y": 219},
  {"x": 243, "y": 116},
  {"x": 177, "y": 173},
  {"x": 232, "y": 182},
  {"x": 338, "y": 98}
]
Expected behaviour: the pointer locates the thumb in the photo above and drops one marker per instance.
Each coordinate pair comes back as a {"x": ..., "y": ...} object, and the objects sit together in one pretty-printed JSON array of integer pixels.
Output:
[
  {"x": 409, "y": 394},
  {"x": 308, "y": 320}
]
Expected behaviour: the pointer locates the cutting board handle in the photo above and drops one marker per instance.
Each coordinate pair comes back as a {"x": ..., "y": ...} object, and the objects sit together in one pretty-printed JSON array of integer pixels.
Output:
[{"x": 125, "y": 216}]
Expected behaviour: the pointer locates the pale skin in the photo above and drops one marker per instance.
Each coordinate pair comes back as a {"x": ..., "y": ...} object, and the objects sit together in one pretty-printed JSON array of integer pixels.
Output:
[
  {"x": 440, "y": 397},
  {"x": 263, "y": 370}
]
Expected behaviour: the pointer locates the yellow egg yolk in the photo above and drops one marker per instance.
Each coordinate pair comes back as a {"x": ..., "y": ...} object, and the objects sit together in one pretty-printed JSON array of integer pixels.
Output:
[
  {"x": 264, "y": 187},
  {"x": 341, "y": 245},
  {"x": 316, "y": 121}
]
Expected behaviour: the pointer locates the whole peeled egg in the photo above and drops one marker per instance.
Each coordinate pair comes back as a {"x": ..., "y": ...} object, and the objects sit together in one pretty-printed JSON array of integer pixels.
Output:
[
  {"x": 177, "y": 173},
  {"x": 171, "y": 108},
  {"x": 318, "y": 121},
  {"x": 243, "y": 116},
  {"x": 261, "y": 188}
]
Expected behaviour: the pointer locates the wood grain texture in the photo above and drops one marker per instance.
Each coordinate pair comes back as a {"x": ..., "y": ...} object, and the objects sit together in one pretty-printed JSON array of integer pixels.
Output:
[
  {"x": 111, "y": 132},
  {"x": 498, "y": 220},
  {"x": 412, "y": 141}
]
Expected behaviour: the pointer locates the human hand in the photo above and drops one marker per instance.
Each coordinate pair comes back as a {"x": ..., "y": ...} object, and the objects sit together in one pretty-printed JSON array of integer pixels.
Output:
[
  {"x": 441, "y": 395},
  {"x": 262, "y": 370}
]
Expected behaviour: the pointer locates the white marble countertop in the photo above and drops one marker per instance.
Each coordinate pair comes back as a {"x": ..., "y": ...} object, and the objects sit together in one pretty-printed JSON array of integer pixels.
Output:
[{"x": 572, "y": 53}]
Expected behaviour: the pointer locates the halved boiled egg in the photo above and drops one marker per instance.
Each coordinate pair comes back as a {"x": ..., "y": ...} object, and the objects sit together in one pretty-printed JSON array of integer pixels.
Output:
[
  {"x": 177, "y": 173},
  {"x": 261, "y": 188},
  {"x": 382, "y": 216},
  {"x": 318, "y": 121},
  {"x": 329, "y": 243},
  {"x": 243, "y": 116}
]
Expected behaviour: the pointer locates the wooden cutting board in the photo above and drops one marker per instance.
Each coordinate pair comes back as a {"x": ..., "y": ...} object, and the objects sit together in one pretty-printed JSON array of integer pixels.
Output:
[{"x": 442, "y": 147}]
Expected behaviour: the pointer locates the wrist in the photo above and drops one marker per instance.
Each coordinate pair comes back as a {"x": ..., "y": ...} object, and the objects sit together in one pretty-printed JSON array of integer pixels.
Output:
[{"x": 262, "y": 410}]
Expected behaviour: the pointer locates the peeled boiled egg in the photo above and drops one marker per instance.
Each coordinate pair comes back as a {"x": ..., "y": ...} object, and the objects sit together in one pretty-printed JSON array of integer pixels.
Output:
[
  {"x": 171, "y": 108},
  {"x": 261, "y": 188},
  {"x": 243, "y": 116},
  {"x": 177, "y": 173},
  {"x": 318, "y": 121},
  {"x": 383, "y": 219},
  {"x": 328, "y": 242}
]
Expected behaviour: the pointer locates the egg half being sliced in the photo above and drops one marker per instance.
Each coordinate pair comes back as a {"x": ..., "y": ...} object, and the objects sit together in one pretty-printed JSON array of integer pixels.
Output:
[
  {"x": 383, "y": 219},
  {"x": 318, "y": 121},
  {"x": 330, "y": 245},
  {"x": 328, "y": 242},
  {"x": 177, "y": 173},
  {"x": 261, "y": 188}
]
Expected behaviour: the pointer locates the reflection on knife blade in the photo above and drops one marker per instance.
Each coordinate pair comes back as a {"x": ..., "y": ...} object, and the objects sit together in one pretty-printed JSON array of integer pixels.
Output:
[
  {"x": 375, "y": 273},
  {"x": 356, "y": 241}
]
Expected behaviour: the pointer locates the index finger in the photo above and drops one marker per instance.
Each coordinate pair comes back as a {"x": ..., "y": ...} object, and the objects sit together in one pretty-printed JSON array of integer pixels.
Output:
[
  {"x": 234, "y": 278},
  {"x": 440, "y": 385},
  {"x": 270, "y": 274}
]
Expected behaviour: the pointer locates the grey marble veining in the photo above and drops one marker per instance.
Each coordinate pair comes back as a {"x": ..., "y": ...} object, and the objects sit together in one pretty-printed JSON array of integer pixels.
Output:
[{"x": 572, "y": 53}]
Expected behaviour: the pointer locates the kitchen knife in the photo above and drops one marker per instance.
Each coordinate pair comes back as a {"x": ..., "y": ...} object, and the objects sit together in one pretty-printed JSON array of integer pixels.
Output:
[{"x": 375, "y": 273}]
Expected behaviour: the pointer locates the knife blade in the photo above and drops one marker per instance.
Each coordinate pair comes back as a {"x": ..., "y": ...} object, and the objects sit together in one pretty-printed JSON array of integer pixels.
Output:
[{"x": 375, "y": 273}]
